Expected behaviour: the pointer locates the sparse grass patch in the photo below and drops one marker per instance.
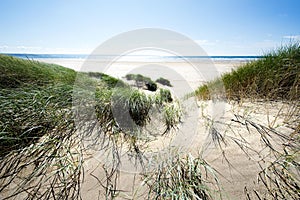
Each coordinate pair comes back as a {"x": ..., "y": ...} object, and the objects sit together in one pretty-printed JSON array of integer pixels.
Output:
[
  {"x": 108, "y": 80},
  {"x": 142, "y": 81},
  {"x": 279, "y": 177},
  {"x": 137, "y": 77},
  {"x": 163, "y": 81},
  {"x": 182, "y": 178}
]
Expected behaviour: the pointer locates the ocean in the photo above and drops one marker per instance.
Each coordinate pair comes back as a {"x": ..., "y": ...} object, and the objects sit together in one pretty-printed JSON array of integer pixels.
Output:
[{"x": 132, "y": 58}]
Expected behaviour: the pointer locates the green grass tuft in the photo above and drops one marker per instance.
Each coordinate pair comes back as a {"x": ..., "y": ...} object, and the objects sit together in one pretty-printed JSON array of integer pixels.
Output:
[
  {"x": 27, "y": 114},
  {"x": 275, "y": 76}
]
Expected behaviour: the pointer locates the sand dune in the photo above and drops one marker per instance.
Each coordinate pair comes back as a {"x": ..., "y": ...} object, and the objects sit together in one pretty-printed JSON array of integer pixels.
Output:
[{"x": 236, "y": 157}]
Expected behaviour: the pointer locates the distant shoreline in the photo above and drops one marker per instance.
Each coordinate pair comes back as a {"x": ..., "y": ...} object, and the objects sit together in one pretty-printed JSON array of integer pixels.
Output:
[{"x": 129, "y": 57}]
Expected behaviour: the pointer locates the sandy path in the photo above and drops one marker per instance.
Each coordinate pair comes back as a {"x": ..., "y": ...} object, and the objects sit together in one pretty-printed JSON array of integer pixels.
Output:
[{"x": 237, "y": 170}]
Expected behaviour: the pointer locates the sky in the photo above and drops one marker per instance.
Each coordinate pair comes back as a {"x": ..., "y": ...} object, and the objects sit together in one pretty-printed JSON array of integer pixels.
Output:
[{"x": 220, "y": 27}]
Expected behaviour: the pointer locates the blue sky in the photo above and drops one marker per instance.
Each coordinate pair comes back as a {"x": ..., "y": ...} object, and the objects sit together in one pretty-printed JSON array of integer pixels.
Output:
[{"x": 221, "y": 27}]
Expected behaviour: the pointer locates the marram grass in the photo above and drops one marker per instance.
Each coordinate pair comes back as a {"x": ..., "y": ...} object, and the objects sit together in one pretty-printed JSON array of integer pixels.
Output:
[{"x": 274, "y": 76}]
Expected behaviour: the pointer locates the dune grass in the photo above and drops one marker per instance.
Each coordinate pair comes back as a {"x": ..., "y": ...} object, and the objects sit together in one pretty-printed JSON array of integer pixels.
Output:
[
  {"x": 31, "y": 95},
  {"x": 15, "y": 72},
  {"x": 183, "y": 178},
  {"x": 274, "y": 76},
  {"x": 37, "y": 128},
  {"x": 40, "y": 145},
  {"x": 29, "y": 113}
]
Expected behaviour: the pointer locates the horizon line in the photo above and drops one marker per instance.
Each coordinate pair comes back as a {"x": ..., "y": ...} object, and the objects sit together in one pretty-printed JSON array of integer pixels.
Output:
[{"x": 84, "y": 54}]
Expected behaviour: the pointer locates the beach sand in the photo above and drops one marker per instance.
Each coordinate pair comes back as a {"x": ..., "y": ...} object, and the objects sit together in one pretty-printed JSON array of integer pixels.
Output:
[
  {"x": 193, "y": 73},
  {"x": 236, "y": 169}
]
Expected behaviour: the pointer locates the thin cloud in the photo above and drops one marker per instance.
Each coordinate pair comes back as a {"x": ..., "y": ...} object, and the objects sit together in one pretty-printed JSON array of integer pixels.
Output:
[
  {"x": 28, "y": 48},
  {"x": 3, "y": 48},
  {"x": 206, "y": 42},
  {"x": 188, "y": 42},
  {"x": 19, "y": 49},
  {"x": 42, "y": 50},
  {"x": 292, "y": 37}
]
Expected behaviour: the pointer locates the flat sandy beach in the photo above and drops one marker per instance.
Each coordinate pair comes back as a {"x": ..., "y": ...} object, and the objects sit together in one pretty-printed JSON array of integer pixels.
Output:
[{"x": 194, "y": 73}]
